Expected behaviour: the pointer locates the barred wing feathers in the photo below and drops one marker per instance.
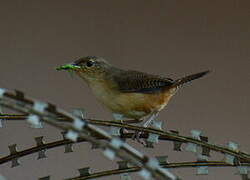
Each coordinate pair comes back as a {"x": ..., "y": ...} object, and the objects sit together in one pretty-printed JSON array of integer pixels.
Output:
[{"x": 134, "y": 81}]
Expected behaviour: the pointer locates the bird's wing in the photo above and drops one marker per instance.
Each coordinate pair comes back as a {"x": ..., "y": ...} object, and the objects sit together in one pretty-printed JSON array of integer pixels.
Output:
[{"x": 134, "y": 81}]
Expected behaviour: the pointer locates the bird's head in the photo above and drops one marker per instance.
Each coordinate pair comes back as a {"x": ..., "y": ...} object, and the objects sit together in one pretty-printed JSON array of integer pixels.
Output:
[{"x": 89, "y": 68}]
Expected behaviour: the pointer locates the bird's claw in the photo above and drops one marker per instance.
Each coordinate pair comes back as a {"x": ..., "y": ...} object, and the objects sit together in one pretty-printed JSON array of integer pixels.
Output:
[{"x": 136, "y": 136}]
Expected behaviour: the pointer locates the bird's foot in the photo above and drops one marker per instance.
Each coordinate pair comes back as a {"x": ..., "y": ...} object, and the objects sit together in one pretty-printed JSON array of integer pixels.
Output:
[{"x": 136, "y": 136}]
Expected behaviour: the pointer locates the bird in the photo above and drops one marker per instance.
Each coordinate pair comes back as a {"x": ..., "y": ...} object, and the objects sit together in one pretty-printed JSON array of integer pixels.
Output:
[{"x": 127, "y": 93}]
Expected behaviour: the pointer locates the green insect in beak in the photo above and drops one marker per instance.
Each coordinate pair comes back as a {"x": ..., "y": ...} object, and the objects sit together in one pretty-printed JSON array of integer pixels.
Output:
[{"x": 67, "y": 67}]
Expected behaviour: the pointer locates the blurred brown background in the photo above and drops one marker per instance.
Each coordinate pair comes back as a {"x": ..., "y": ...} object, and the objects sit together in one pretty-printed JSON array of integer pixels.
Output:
[{"x": 172, "y": 38}]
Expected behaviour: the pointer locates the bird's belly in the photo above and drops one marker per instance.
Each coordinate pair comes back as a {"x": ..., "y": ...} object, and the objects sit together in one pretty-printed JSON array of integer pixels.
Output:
[
  {"x": 131, "y": 105},
  {"x": 134, "y": 105}
]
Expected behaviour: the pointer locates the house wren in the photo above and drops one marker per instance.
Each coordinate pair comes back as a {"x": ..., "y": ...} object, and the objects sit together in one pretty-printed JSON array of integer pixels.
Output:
[{"x": 127, "y": 93}]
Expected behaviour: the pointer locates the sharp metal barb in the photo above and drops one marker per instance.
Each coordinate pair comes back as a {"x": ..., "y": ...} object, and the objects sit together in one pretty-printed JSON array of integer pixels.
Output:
[
  {"x": 115, "y": 131},
  {"x": 68, "y": 148},
  {"x": 152, "y": 137},
  {"x": 201, "y": 157},
  {"x": 122, "y": 164},
  {"x": 177, "y": 144},
  {"x": 196, "y": 134},
  {"x": 162, "y": 159},
  {"x": 191, "y": 146},
  {"x": 202, "y": 170},
  {"x": 40, "y": 143},
  {"x": 242, "y": 170},
  {"x": 150, "y": 141},
  {"x": 205, "y": 150},
  {"x": 233, "y": 146},
  {"x": 153, "y": 163},
  {"x": 34, "y": 121},
  {"x": 145, "y": 174},
  {"x": 110, "y": 154},
  {"x": 84, "y": 171},
  {"x": 19, "y": 94},
  {"x": 40, "y": 106},
  {"x": 72, "y": 135},
  {"x": 42, "y": 154},
  {"x": 13, "y": 151},
  {"x": 51, "y": 108},
  {"x": 228, "y": 157},
  {"x": 15, "y": 162}
]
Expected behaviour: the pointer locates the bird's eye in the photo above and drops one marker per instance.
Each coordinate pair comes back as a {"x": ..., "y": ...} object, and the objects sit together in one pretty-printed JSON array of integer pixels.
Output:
[{"x": 90, "y": 63}]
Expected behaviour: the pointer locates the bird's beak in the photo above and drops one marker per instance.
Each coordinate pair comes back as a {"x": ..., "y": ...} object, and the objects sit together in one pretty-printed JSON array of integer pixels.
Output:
[{"x": 67, "y": 67}]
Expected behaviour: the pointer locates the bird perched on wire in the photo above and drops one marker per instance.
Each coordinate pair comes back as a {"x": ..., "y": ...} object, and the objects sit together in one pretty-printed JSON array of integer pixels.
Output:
[{"x": 127, "y": 93}]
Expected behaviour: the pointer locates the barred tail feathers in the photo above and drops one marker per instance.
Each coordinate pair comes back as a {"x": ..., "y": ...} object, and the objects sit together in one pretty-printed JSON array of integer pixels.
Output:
[{"x": 186, "y": 79}]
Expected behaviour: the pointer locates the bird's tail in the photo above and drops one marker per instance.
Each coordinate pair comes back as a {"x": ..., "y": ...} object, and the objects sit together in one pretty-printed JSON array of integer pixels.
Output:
[{"x": 186, "y": 79}]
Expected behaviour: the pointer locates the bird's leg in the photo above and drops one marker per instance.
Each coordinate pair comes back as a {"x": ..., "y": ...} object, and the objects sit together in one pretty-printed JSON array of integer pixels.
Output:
[
  {"x": 150, "y": 119},
  {"x": 146, "y": 124}
]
